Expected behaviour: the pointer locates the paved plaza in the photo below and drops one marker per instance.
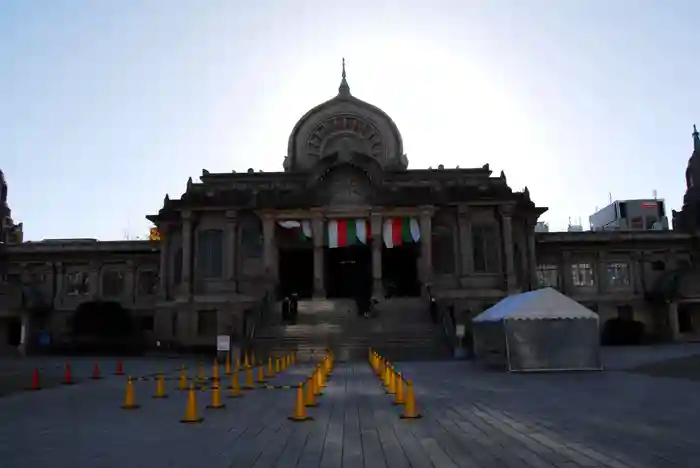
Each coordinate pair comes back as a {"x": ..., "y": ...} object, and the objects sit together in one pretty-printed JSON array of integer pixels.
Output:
[{"x": 472, "y": 418}]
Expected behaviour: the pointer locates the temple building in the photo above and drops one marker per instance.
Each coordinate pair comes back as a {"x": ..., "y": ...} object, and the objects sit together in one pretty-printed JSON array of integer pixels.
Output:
[{"x": 347, "y": 218}]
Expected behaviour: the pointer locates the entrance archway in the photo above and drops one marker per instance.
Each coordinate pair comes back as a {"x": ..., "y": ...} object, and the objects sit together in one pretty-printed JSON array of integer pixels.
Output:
[
  {"x": 400, "y": 270},
  {"x": 348, "y": 271},
  {"x": 296, "y": 272}
]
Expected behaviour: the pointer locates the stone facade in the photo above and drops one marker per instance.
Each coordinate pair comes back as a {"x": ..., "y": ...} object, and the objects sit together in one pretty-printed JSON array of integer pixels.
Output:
[{"x": 219, "y": 252}]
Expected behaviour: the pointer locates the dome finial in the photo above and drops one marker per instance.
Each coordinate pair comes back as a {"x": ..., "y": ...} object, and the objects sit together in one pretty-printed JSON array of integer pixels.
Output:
[
  {"x": 344, "y": 89},
  {"x": 696, "y": 138}
]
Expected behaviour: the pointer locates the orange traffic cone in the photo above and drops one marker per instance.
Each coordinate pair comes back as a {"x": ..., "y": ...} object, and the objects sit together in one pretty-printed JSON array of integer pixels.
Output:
[
  {"x": 215, "y": 371},
  {"x": 191, "y": 414},
  {"x": 391, "y": 389},
  {"x": 36, "y": 383},
  {"x": 261, "y": 374},
  {"x": 317, "y": 382},
  {"x": 160, "y": 387},
  {"x": 248, "y": 378},
  {"x": 129, "y": 398},
  {"x": 246, "y": 362},
  {"x": 182, "y": 385},
  {"x": 120, "y": 368},
  {"x": 238, "y": 364},
  {"x": 96, "y": 371},
  {"x": 227, "y": 365},
  {"x": 409, "y": 409},
  {"x": 235, "y": 386},
  {"x": 310, "y": 394},
  {"x": 68, "y": 376},
  {"x": 216, "y": 397},
  {"x": 300, "y": 407},
  {"x": 277, "y": 366},
  {"x": 270, "y": 371},
  {"x": 399, "y": 397}
]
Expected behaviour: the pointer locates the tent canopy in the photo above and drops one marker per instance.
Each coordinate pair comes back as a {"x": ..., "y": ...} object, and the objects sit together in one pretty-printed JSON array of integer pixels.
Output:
[{"x": 542, "y": 304}]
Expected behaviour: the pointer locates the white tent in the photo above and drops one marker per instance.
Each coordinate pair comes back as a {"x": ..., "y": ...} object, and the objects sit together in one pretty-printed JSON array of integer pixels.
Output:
[{"x": 540, "y": 330}]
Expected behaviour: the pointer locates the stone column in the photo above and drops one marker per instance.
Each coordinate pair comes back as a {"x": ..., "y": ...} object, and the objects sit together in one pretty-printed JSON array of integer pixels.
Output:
[
  {"x": 601, "y": 273},
  {"x": 426, "y": 238},
  {"x": 230, "y": 249},
  {"x": 532, "y": 255},
  {"x": 186, "y": 280},
  {"x": 268, "y": 248},
  {"x": 317, "y": 226},
  {"x": 59, "y": 292},
  {"x": 164, "y": 262},
  {"x": 565, "y": 273},
  {"x": 376, "y": 226},
  {"x": 674, "y": 327},
  {"x": 94, "y": 280},
  {"x": 511, "y": 280}
]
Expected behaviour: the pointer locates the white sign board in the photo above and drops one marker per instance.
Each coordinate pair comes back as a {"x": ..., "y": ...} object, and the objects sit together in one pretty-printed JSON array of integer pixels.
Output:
[
  {"x": 223, "y": 343},
  {"x": 460, "y": 331}
]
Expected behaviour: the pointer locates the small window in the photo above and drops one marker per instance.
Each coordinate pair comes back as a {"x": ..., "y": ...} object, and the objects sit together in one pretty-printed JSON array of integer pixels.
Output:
[
  {"x": 548, "y": 276},
  {"x": 618, "y": 275},
  {"x": 582, "y": 275}
]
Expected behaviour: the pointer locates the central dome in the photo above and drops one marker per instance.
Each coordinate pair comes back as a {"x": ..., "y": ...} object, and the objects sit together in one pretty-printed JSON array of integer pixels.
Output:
[{"x": 344, "y": 124}]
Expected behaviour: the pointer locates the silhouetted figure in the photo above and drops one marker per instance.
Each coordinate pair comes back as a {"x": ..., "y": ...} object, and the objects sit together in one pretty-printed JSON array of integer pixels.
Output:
[
  {"x": 294, "y": 307},
  {"x": 286, "y": 309}
]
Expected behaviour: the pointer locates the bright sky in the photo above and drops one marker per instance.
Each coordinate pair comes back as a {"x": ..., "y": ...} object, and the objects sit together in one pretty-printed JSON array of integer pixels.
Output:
[{"x": 106, "y": 106}]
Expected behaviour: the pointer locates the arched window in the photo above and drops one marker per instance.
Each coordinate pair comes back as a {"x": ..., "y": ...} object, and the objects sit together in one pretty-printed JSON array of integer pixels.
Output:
[{"x": 210, "y": 253}]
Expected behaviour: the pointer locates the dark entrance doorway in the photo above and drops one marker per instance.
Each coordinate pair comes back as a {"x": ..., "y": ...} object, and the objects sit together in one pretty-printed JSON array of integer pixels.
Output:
[
  {"x": 400, "y": 270},
  {"x": 296, "y": 272},
  {"x": 348, "y": 271}
]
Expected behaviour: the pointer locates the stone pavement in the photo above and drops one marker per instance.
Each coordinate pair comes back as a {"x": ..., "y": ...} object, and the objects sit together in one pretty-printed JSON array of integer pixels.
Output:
[{"x": 471, "y": 418}]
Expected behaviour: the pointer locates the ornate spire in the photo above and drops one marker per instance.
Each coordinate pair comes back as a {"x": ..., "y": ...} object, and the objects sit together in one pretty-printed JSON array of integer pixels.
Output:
[
  {"x": 344, "y": 88},
  {"x": 696, "y": 138}
]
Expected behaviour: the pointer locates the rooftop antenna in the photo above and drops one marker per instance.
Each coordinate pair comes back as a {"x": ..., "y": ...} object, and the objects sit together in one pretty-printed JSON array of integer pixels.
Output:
[
  {"x": 609, "y": 197},
  {"x": 655, "y": 194}
]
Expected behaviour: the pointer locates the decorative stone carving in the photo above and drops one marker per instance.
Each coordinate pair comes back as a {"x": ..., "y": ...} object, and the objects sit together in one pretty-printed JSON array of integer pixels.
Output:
[
  {"x": 345, "y": 132},
  {"x": 346, "y": 186}
]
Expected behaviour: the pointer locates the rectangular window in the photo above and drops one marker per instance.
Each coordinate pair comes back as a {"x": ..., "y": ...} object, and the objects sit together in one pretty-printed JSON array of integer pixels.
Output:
[
  {"x": 210, "y": 255},
  {"x": 618, "y": 274},
  {"x": 112, "y": 283},
  {"x": 148, "y": 283},
  {"x": 206, "y": 323},
  {"x": 582, "y": 275},
  {"x": 77, "y": 283},
  {"x": 548, "y": 276},
  {"x": 486, "y": 252}
]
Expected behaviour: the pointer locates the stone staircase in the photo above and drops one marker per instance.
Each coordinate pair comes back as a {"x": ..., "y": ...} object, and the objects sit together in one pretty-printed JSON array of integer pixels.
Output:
[{"x": 401, "y": 331}]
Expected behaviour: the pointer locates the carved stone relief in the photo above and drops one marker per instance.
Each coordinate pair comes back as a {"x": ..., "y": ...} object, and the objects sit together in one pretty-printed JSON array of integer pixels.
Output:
[
  {"x": 346, "y": 185},
  {"x": 354, "y": 132}
]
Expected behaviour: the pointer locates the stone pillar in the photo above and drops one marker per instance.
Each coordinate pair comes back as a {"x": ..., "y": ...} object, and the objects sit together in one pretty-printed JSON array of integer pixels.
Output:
[
  {"x": 466, "y": 248},
  {"x": 674, "y": 327},
  {"x": 94, "y": 280},
  {"x": 532, "y": 254},
  {"x": 601, "y": 273},
  {"x": 268, "y": 248},
  {"x": 511, "y": 280},
  {"x": 565, "y": 273},
  {"x": 164, "y": 262},
  {"x": 186, "y": 277},
  {"x": 317, "y": 226},
  {"x": 230, "y": 249},
  {"x": 426, "y": 238},
  {"x": 59, "y": 292},
  {"x": 377, "y": 284}
]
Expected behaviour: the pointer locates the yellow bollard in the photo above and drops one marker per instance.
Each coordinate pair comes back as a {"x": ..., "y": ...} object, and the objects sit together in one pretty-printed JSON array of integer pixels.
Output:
[
  {"x": 300, "y": 407},
  {"x": 183, "y": 379},
  {"x": 160, "y": 387},
  {"x": 129, "y": 398},
  {"x": 227, "y": 364},
  {"x": 191, "y": 414},
  {"x": 216, "y": 397},
  {"x": 399, "y": 397},
  {"x": 248, "y": 378},
  {"x": 410, "y": 411},
  {"x": 235, "y": 386}
]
